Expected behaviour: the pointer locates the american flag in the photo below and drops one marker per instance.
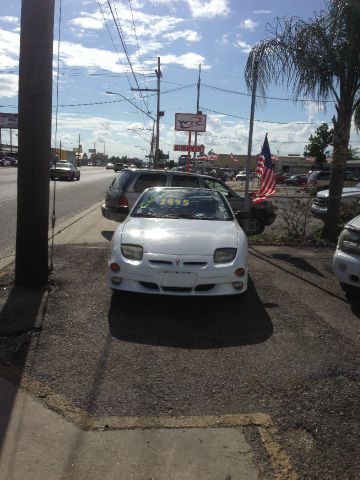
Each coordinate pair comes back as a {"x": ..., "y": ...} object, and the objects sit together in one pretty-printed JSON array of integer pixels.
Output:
[
  {"x": 266, "y": 172},
  {"x": 233, "y": 158}
]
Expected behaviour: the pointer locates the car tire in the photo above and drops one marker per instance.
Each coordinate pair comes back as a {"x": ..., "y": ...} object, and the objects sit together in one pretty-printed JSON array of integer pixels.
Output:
[
  {"x": 350, "y": 289},
  {"x": 256, "y": 224}
]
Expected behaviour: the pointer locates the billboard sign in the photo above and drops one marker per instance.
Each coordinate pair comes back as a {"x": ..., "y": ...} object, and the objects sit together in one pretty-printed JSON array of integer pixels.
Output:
[
  {"x": 8, "y": 120},
  {"x": 187, "y": 148},
  {"x": 190, "y": 122}
]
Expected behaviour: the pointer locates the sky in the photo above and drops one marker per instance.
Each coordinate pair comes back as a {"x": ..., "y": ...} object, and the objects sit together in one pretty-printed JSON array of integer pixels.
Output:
[{"x": 113, "y": 46}]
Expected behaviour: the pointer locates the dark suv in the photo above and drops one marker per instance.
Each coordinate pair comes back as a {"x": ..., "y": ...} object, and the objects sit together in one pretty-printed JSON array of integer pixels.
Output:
[{"x": 126, "y": 187}]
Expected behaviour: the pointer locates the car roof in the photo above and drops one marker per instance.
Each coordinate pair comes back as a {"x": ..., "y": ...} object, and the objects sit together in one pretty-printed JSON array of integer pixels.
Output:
[{"x": 171, "y": 172}]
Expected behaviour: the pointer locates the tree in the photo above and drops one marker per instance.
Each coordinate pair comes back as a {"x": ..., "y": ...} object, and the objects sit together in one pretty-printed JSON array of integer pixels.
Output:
[
  {"x": 320, "y": 59},
  {"x": 318, "y": 142}
]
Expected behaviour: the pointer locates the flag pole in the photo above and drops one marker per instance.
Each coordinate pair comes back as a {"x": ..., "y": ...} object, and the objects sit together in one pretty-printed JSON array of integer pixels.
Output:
[{"x": 251, "y": 128}]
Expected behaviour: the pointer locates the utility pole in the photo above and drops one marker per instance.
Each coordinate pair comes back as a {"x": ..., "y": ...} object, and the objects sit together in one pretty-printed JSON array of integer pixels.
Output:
[
  {"x": 35, "y": 102},
  {"x": 158, "y": 112},
  {"x": 197, "y": 111},
  {"x": 159, "y": 75},
  {"x": 79, "y": 146},
  {"x": 251, "y": 128}
]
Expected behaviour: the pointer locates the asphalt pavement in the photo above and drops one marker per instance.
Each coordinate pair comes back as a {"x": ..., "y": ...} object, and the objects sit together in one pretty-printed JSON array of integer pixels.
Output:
[{"x": 264, "y": 385}]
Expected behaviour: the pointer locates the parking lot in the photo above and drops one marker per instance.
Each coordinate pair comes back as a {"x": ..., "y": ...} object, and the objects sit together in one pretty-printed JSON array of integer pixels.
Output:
[{"x": 288, "y": 349}]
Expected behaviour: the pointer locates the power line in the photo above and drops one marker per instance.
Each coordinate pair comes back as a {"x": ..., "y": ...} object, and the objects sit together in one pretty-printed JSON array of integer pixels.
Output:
[
  {"x": 136, "y": 37},
  {"x": 301, "y": 100},
  {"x": 115, "y": 48},
  {"x": 120, "y": 34},
  {"x": 259, "y": 121}
]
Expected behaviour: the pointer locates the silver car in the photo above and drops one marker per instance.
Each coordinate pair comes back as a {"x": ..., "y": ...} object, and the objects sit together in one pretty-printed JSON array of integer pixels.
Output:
[{"x": 127, "y": 186}]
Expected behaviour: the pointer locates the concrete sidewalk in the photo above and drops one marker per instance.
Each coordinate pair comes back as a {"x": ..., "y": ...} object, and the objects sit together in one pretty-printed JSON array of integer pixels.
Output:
[{"x": 40, "y": 442}]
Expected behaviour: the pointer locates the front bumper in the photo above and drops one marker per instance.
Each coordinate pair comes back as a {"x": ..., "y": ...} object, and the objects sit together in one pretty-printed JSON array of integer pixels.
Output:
[
  {"x": 205, "y": 280},
  {"x": 318, "y": 212},
  {"x": 347, "y": 268}
]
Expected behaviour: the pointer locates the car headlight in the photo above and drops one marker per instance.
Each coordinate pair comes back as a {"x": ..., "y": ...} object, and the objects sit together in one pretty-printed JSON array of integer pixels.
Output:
[
  {"x": 224, "y": 255},
  {"x": 132, "y": 252},
  {"x": 349, "y": 241}
]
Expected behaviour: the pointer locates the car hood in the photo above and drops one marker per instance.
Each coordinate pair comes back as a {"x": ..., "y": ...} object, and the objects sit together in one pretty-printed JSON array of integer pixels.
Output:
[
  {"x": 346, "y": 192},
  {"x": 354, "y": 223},
  {"x": 181, "y": 236}
]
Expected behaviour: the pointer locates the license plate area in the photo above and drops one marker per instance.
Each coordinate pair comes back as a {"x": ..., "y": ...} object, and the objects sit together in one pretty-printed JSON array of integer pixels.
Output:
[{"x": 177, "y": 279}]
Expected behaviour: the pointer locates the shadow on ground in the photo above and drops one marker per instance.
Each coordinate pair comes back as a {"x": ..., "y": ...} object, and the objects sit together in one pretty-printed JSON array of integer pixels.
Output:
[
  {"x": 297, "y": 262},
  {"x": 21, "y": 313},
  {"x": 195, "y": 322}
]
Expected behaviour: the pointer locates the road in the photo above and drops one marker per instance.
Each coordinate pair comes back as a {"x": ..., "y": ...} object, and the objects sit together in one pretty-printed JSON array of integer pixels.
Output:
[{"x": 71, "y": 198}]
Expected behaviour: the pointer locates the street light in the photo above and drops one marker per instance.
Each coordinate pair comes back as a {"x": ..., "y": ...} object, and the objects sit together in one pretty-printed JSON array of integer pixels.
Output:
[
  {"x": 132, "y": 103},
  {"x": 142, "y": 136}
]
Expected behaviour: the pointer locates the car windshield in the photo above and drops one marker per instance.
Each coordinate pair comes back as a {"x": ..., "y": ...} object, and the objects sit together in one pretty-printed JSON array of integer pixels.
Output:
[
  {"x": 63, "y": 164},
  {"x": 192, "y": 204}
]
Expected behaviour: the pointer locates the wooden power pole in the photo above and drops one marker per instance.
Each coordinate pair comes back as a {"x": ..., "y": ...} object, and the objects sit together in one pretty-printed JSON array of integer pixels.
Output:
[{"x": 35, "y": 102}]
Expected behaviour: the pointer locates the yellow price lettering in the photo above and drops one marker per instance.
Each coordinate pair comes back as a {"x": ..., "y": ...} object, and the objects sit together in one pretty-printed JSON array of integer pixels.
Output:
[{"x": 186, "y": 202}]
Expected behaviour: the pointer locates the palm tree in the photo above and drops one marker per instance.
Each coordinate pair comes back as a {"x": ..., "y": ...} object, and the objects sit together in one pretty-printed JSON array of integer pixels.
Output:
[{"x": 320, "y": 60}]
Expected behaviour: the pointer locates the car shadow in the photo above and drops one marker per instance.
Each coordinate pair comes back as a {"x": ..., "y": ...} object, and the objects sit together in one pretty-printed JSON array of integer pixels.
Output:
[
  {"x": 108, "y": 234},
  {"x": 190, "y": 322},
  {"x": 297, "y": 262}
]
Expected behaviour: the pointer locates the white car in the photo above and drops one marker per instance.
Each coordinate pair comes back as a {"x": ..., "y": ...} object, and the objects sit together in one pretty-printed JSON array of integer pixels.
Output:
[
  {"x": 347, "y": 257},
  {"x": 349, "y": 195},
  {"x": 179, "y": 241}
]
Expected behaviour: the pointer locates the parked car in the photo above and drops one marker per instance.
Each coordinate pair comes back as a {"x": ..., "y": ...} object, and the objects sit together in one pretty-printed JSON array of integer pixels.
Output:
[
  {"x": 280, "y": 177},
  {"x": 195, "y": 247},
  {"x": 346, "y": 259},
  {"x": 64, "y": 171},
  {"x": 320, "y": 179},
  {"x": 320, "y": 203},
  {"x": 126, "y": 188},
  {"x": 297, "y": 179},
  {"x": 110, "y": 166}
]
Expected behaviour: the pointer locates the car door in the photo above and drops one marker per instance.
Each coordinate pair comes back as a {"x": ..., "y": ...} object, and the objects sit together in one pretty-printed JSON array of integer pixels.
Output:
[{"x": 236, "y": 201}]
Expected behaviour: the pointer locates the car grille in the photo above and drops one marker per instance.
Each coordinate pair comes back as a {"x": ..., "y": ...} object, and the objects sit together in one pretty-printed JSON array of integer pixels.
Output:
[
  {"x": 177, "y": 289},
  {"x": 199, "y": 288},
  {"x": 350, "y": 247},
  {"x": 342, "y": 267},
  {"x": 160, "y": 262},
  {"x": 320, "y": 202},
  {"x": 186, "y": 264}
]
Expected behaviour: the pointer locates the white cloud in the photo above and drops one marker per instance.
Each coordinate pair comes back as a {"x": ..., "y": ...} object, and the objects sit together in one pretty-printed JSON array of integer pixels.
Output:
[
  {"x": 188, "y": 60},
  {"x": 8, "y": 19},
  {"x": 188, "y": 35},
  {"x": 209, "y": 8},
  {"x": 243, "y": 46},
  {"x": 262, "y": 12},
  {"x": 224, "y": 40},
  {"x": 9, "y": 48},
  {"x": 76, "y": 55},
  {"x": 8, "y": 85},
  {"x": 249, "y": 24},
  {"x": 88, "y": 23}
]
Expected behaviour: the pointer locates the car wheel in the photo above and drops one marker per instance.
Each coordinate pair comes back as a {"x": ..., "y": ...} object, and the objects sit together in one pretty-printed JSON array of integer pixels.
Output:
[
  {"x": 350, "y": 289},
  {"x": 256, "y": 225}
]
